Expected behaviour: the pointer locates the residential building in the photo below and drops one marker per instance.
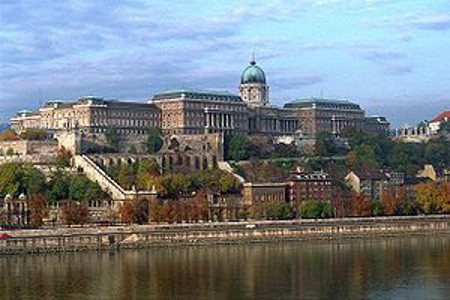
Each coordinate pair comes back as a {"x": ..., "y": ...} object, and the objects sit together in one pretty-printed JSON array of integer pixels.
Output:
[
  {"x": 304, "y": 186},
  {"x": 438, "y": 174},
  {"x": 436, "y": 122},
  {"x": 260, "y": 193},
  {"x": 371, "y": 183}
]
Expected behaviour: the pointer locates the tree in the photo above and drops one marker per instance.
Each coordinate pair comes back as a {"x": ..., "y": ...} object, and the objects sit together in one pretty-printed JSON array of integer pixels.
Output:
[
  {"x": 377, "y": 208},
  {"x": 34, "y": 134},
  {"x": 278, "y": 210},
  {"x": 342, "y": 201},
  {"x": 141, "y": 211},
  {"x": 228, "y": 183},
  {"x": 444, "y": 127},
  {"x": 112, "y": 138},
  {"x": 316, "y": 209},
  {"x": 310, "y": 209},
  {"x": 437, "y": 152},
  {"x": 393, "y": 200},
  {"x": 11, "y": 179},
  {"x": 146, "y": 171},
  {"x": 126, "y": 177},
  {"x": 37, "y": 205},
  {"x": 325, "y": 144},
  {"x": 74, "y": 213},
  {"x": 155, "y": 213},
  {"x": 154, "y": 140},
  {"x": 361, "y": 205},
  {"x": 63, "y": 158},
  {"x": 59, "y": 187},
  {"x": 127, "y": 212},
  {"x": 8, "y": 135},
  {"x": 432, "y": 198},
  {"x": 237, "y": 148}
]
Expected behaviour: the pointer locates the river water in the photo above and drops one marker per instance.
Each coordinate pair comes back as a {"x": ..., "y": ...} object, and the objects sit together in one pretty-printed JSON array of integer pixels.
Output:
[{"x": 397, "y": 268}]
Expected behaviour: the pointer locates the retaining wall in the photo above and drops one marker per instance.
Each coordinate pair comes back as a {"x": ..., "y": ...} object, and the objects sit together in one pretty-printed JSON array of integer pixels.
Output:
[{"x": 78, "y": 239}]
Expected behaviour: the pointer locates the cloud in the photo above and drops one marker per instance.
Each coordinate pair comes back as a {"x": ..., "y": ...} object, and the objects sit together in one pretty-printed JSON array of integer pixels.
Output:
[
  {"x": 419, "y": 21},
  {"x": 380, "y": 54},
  {"x": 393, "y": 69},
  {"x": 430, "y": 22},
  {"x": 391, "y": 61},
  {"x": 293, "y": 81}
]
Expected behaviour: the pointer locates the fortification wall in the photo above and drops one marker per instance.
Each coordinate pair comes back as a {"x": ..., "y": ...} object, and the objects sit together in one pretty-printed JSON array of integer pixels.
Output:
[{"x": 28, "y": 151}]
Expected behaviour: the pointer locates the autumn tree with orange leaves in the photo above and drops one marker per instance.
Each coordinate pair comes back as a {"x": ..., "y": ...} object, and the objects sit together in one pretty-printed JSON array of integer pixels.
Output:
[
  {"x": 393, "y": 200},
  {"x": 361, "y": 205},
  {"x": 433, "y": 198}
]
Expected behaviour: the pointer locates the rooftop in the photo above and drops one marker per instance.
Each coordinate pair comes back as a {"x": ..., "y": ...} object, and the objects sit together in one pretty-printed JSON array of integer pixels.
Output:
[
  {"x": 371, "y": 174},
  {"x": 323, "y": 102},
  {"x": 199, "y": 94},
  {"x": 442, "y": 117}
]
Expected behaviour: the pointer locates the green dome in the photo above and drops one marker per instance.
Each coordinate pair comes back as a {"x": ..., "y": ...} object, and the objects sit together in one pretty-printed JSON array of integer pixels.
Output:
[{"x": 253, "y": 74}]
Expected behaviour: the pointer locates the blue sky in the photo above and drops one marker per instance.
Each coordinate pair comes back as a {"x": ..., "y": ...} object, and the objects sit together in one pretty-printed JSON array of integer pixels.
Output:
[{"x": 392, "y": 57}]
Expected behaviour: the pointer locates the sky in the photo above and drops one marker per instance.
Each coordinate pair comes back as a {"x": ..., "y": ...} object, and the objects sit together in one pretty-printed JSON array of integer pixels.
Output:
[{"x": 391, "y": 57}]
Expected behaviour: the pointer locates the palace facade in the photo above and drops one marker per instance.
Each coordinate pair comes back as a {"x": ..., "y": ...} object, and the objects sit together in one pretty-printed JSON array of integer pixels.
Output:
[
  {"x": 91, "y": 115},
  {"x": 203, "y": 112}
]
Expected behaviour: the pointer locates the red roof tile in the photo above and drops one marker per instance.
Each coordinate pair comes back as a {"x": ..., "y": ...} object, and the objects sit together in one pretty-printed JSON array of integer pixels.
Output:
[{"x": 442, "y": 117}]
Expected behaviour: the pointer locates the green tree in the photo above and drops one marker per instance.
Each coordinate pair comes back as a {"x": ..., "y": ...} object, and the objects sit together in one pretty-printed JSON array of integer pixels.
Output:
[
  {"x": 377, "y": 208},
  {"x": 310, "y": 209},
  {"x": 180, "y": 184},
  {"x": 146, "y": 171},
  {"x": 34, "y": 134},
  {"x": 11, "y": 179},
  {"x": 228, "y": 183},
  {"x": 59, "y": 187},
  {"x": 437, "y": 152},
  {"x": 154, "y": 140},
  {"x": 325, "y": 144},
  {"x": 278, "y": 210},
  {"x": 126, "y": 177},
  {"x": 34, "y": 181},
  {"x": 326, "y": 209},
  {"x": 237, "y": 148},
  {"x": 444, "y": 127}
]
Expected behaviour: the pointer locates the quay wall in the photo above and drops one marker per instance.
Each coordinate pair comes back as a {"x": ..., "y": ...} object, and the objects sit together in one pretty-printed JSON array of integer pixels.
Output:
[{"x": 146, "y": 236}]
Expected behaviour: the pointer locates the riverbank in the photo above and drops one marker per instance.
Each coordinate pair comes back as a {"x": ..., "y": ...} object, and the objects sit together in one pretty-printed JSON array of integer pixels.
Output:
[{"x": 147, "y": 236}]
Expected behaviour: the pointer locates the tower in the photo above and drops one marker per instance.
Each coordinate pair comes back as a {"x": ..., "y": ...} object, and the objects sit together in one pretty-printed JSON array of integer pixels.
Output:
[{"x": 253, "y": 89}]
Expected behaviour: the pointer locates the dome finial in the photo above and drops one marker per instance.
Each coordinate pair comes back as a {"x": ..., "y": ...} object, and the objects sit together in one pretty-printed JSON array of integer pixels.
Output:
[{"x": 253, "y": 61}]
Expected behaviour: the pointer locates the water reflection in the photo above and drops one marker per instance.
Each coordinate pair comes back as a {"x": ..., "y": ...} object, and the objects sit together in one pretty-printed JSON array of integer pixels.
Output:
[{"x": 405, "y": 268}]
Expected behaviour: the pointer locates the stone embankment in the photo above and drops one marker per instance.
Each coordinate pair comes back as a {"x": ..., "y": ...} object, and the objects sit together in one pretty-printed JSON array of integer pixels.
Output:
[{"x": 145, "y": 236}]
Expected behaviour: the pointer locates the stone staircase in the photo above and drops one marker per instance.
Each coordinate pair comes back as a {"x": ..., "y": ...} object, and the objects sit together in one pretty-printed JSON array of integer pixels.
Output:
[{"x": 106, "y": 183}]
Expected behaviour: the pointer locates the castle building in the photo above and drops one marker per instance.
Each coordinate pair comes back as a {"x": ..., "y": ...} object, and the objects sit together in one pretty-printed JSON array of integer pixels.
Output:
[
  {"x": 328, "y": 115},
  {"x": 91, "y": 115},
  {"x": 198, "y": 112},
  {"x": 202, "y": 112}
]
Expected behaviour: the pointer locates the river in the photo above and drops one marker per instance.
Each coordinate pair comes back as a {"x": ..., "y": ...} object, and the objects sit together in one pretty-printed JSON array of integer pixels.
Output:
[{"x": 396, "y": 268}]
